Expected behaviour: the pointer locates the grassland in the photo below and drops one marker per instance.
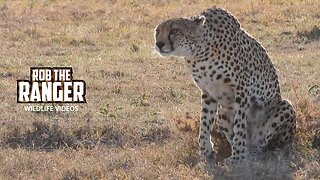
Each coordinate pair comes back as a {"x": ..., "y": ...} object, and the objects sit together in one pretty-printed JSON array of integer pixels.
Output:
[{"x": 141, "y": 119}]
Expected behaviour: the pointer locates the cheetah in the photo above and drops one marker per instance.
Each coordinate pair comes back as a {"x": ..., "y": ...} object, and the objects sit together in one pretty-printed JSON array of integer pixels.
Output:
[{"x": 239, "y": 84}]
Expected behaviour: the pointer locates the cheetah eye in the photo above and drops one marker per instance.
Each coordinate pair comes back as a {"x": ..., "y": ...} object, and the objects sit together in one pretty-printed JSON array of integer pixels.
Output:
[
  {"x": 157, "y": 32},
  {"x": 174, "y": 31}
]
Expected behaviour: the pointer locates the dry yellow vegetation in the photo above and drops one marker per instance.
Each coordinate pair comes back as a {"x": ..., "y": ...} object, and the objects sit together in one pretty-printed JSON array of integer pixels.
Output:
[{"x": 141, "y": 119}]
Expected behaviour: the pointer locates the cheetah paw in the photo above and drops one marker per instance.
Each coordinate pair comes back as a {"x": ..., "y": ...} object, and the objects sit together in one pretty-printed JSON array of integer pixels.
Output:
[
  {"x": 226, "y": 162},
  {"x": 207, "y": 153}
]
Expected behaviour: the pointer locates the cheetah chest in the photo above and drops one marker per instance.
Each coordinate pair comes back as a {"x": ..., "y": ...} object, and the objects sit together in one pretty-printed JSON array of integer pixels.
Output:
[{"x": 217, "y": 89}]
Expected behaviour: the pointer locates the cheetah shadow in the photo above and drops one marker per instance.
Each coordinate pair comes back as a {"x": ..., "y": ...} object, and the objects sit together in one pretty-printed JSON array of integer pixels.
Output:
[{"x": 273, "y": 164}]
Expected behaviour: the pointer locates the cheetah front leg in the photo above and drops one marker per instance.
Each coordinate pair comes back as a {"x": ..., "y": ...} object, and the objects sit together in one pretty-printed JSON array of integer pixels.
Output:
[
  {"x": 209, "y": 108},
  {"x": 239, "y": 140}
]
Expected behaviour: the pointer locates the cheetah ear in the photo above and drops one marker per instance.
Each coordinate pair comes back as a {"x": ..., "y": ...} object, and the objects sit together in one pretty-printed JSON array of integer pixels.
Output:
[{"x": 200, "y": 20}]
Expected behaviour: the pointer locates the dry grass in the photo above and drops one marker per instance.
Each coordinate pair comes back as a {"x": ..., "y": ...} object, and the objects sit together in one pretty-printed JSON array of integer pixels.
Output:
[{"x": 141, "y": 119}]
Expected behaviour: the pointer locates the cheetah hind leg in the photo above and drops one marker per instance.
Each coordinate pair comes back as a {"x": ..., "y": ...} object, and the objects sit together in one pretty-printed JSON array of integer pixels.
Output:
[{"x": 281, "y": 126}]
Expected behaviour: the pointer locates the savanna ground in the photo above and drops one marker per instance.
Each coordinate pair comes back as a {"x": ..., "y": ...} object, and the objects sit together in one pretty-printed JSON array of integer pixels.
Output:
[{"x": 141, "y": 119}]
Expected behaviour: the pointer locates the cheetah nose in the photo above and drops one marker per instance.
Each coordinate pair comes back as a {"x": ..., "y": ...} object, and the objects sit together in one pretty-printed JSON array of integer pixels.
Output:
[{"x": 160, "y": 45}]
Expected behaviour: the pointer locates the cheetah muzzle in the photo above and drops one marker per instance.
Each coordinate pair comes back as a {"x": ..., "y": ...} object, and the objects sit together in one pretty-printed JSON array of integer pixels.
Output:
[{"x": 239, "y": 84}]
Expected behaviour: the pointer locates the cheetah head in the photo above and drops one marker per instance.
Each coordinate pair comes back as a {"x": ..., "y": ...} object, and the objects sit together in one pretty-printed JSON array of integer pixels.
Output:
[{"x": 178, "y": 37}]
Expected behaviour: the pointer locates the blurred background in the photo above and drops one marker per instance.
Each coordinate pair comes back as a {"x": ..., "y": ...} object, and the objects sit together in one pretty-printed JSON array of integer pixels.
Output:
[{"x": 142, "y": 111}]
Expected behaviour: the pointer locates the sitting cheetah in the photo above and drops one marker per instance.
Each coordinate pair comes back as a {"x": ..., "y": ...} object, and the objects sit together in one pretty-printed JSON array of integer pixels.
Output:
[{"x": 239, "y": 84}]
